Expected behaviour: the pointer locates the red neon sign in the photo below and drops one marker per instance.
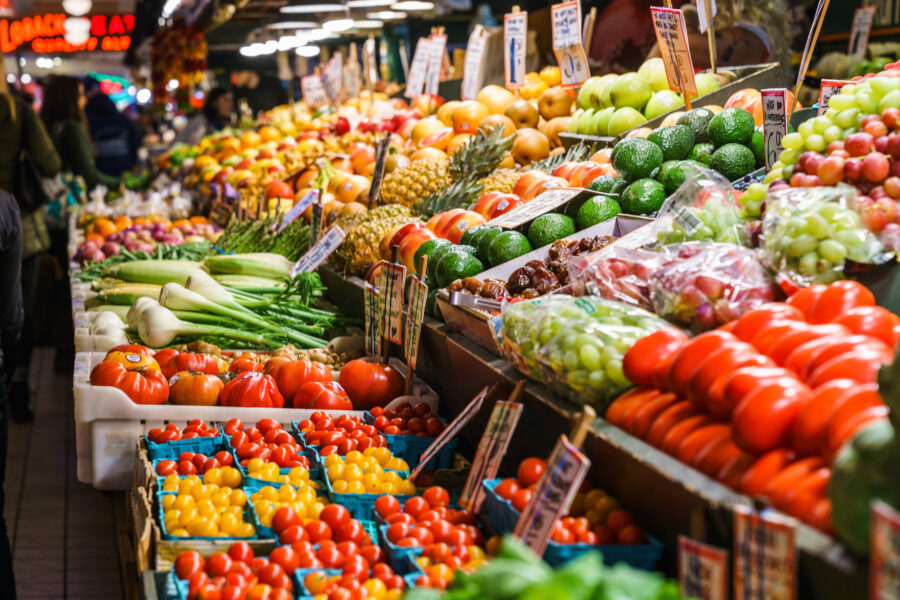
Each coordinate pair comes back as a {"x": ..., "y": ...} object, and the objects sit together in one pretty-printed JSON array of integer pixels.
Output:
[{"x": 45, "y": 34}]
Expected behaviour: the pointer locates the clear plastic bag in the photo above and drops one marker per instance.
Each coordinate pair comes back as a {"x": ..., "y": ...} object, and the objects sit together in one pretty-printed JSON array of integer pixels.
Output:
[
  {"x": 575, "y": 345},
  {"x": 703, "y": 208},
  {"x": 616, "y": 273},
  {"x": 809, "y": 234},
  {"x": 708, "y": 285}
]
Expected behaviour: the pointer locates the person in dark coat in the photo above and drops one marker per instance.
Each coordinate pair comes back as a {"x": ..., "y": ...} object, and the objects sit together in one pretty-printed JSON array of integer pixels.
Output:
[{"x": 114, "y": 136}]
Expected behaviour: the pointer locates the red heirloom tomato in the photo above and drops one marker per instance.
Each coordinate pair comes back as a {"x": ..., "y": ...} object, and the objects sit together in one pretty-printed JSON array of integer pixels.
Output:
[
  {"x": 143, "y": 386},
  {"x": 838, "y": 298},
  {"x": 293, "y": 374},
  {"x": 130, "y": 360},
  {"x": 245, "y": 363},
  {"x": 323, "y": 396},
  {"x": 251, "y": 390},
  {"x": 132, "y": 348},
  {"x": 647, "y": 352},
  {"x": 370, "y": 384},
  {"x": 274, "y": 364},
  {"x": 189, "y": 387},
  {"x": 189, "y": 361}
]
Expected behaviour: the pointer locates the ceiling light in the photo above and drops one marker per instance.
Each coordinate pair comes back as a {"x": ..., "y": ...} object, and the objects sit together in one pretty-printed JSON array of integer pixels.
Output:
[
  {"x": 289, "y": 42},
  {"x": 337, "y": 25},
  {"x": 317, "y": 34},
  {"x": 77, "y": 8},
  {"x": 143, "y": 96},
  {"x": 293, "y": 25},
  {"x": 248, "y": 51},
  {"x": 57, "y": 61},
  {"x": 386, "y": 15},
  {"x": 172, "y": 85},
  {"x": 412, "y": 5},
  {"x": 10, "y": 78},
  {"x": 78, "y": 30},
  {"x": 26, "y": 78},
  {"x": 369, "y": 3},
  {"x": 312, "y": 8},
  {"x": 368, "y": 24},
  {"x": 308, "y": 51}
]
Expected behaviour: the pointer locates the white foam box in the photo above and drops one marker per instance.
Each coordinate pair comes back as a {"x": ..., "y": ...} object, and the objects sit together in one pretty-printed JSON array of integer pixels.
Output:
[{"x": 107, "y": 423}]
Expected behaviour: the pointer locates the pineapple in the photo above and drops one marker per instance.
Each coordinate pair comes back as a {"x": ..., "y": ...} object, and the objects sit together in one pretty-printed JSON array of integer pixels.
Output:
[
  {"x": 502, "y": 180},
  {"x": 481, "y": 155},
  {"x": 408, "y": 185},
  {"x": 457, "y": 194},
  {"x": 364, "y": 230}
]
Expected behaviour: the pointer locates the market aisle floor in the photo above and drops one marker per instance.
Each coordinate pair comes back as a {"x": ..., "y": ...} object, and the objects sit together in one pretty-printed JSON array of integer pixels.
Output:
[{"x": 63, "y": 532}]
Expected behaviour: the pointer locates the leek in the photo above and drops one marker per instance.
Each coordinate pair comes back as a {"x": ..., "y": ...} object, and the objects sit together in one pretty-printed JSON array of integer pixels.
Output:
[
  {"x": 250, "y": 283},
  {"x": 139, "y": 306},
  {"x": 259, "y": 264},
  {"x": 158, "y": 326},
  {"x": 159, "y": 272}
]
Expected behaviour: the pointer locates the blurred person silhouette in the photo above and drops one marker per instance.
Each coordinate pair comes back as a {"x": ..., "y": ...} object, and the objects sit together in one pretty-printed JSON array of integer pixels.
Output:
[
  {"x": 114, "y": 135},
  {"x": 216, "y": 115}
]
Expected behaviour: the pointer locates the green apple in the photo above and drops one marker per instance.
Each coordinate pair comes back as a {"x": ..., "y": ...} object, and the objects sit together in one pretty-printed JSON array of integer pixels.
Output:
[
  {"x": 573, "y": 121},
  {"x": 597, "y": 88},
  {"x": 624, "y": 119},
  {"x": 890, "y": 100},
  {"x": 585, "y": 120},
  {"x": 662, "y": 102},
  {"x": 630, "y": 90},
  {"x": 583, "y": 99},
  {"x": 606, "y": 90},
  {"x": 599, "y": 124},
  {"x": 654, "y": 71},
  {"x": 706, "y": 83}
]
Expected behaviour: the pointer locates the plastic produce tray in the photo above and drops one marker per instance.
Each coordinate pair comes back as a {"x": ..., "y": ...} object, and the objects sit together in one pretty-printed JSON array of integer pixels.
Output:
[
  {"x": 248, "y": 517},
  {"x": 398, "y": 557},
  {"x": 361, "y": 506},
  {"x": 411, "y": 448}
]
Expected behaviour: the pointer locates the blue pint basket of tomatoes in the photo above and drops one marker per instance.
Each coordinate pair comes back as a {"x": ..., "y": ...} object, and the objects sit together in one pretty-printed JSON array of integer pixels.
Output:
[
  {"x": 410, "y": 430},
  {"x": 170, "y": 441}
]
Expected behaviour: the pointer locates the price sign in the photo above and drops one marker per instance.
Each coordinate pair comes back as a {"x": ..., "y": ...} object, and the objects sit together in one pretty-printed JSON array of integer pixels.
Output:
[
  {"x": 491, "y": 449},
  {"x": 702, "y": 570},
  {"x": 884, "y": 563},
  {"x": 318, "y": 215},
  {"x": 331, "y": 76},
  {"x": 393, "y": 277},
  {"x": 415, "y": 312},
  {"x": 701, "y": 13},
  {"x": 553, "y": 494},
  {"x": 859, "y": 33},
  {"x": 472, "y": 70},
  {"x": 373, "y": 322},
  {"x": 436, "y": 51},
  {"x": 775, "y": 107},
  {"x": 515, "y": 30},
  {"x": 381, "y": 153},
  {"x": 450, "y": 431},
  {"x": 319, "y": 252},
  {"x": 415, "y": 81},
  {"x": 313, "y": 91},
  {"x": 548, "y": 200},
  {"x": 351, "y": 79},
  {"x": 671, "y": 35},
  {"x": 296, "y": 210},
  {"x": 573, "y": 65},
  {"x": 765, "y": 555},
  {"x": 827, "y": 89}
]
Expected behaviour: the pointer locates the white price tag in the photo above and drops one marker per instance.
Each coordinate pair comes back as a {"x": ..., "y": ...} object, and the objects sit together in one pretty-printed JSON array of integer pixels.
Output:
[
  {"x": 391, "y": 291},
  {"x": 765, "y": 555},
  {"x": 701, "y": 13},
  {"x": 415, "y": 80},
  {"x": 351, "y": 79},
  {"x": 525, "y": 212},
  {"x": 319, "y": 252},
  {"x": 313, "y": 91},
  {"x": 373, "y": 320},
  {"x": 827, "y": 89},
  {"x": 884, "y": 555},
  {"x": 490, "y": 451},
  {"x": 331, "y": 76},
  {"x": 415, "y": 312},
  {"x": 515, "y": 30},
  {"x": 702, "y": 570},
  {"x": 775, "y": 107},
  {"x": 450, "y": 431},
  {"x": 472, "y": 71},
  {"x": 573, "y": 65},
  {"x": 859, "y": 33},
  {"x": 553, "y": 494},
  {"x": 436, "y": 52},
  {"x": 671, "y": 35},
  {"x": 296, "y": 210}
]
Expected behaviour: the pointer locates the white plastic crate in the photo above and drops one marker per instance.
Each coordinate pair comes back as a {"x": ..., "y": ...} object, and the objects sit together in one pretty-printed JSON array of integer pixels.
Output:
[
  {"x": 107, "y": 423},
  {"x": 85, "y": 341}
]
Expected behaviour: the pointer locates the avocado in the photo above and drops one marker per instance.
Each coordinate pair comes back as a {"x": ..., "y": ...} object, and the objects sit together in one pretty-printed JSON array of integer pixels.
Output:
[
  {"x": 469, "y": 235},
  {"x": 664, "y": 170},
  {"x": 456, "y": 264},
  {"x": 484, "y": 242},
  {"x": 436, "y": 257},
  {"x": 608, "y": 185},
  {"x": 702, "y": 152},
  {"x": 431, "y": 306},
  {"x": 429, "y": 248},
  {"x": 636, "y": 158},
  {"x": 733, "y": 161},
  {"x": 678, "y": 174},
  {"x": 596, "y": 210},
  {"x": 548, "y": 228},
  {"x": 731, "y": 126},
  {"x": 507, "y": 246},
  {"x": 698, "y": 120},
  {"x": 643, "y": 197},
  {"x": 480, "y": 231},
  {"x": 758, "y": 147},
  {"x": 675, "y": 141},
  {"x": 406, "y": 283}
]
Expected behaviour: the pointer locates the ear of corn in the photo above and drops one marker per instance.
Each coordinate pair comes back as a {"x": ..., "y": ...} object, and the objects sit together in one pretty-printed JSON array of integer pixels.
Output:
[
  {"x": 127, "y": 293},
  {"x": 153, "y": 271},
  {"x": 259, "y": 264}
]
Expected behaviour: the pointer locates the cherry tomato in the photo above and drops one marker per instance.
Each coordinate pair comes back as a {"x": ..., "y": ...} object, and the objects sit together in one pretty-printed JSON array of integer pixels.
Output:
[
  {"x": 188, "y": 563},
  {"x": 521, "y": 499},
  {"x": 335, "y": 516},
  {"x": 218, "y": 564},
  {"x": 437, "y": 496},
  {"x": 285, "y": 517},
  {"x": 286, "y": 558},
  {"x": 387, "y": 505},
  {"x": 506, "y": 489},
  {"x": 351, "y": 531}
]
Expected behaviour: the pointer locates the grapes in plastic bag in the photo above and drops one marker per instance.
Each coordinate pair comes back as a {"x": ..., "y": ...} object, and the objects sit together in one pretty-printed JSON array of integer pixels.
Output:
[
  {"x": 710, "y": 285},
  {"x": 810, "y": 233},
  {"x": 575, "y": 345},
  {"x": 615, "y": 273}
]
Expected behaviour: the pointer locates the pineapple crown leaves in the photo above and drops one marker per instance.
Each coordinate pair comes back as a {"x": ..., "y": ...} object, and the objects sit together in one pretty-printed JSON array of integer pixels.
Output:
[
  {"x": 576, "y": 153},
  {"x": 481, "y": 155},
  {"x": 458, "y": 194}
]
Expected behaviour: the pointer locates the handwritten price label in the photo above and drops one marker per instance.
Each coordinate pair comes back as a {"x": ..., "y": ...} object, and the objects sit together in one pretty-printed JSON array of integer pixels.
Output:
[
  {"x": 415, "y": 81},
  {"x": 884, "y": 566},
  {"x": 671, "y": 35},
  {"x": 415, "y": 312},
  {"x": 827, "y": 89},
  {"x": 547, "y": 201},
  {"x": 319, "y": 252},
  {"x": 702, "y": 570},
  {"x": 515, "y": 29},
  {"x": 296, "y": 210},
  {"x": 491, "y": 449},
  {"x": 765, "y": 555},
  {"x": 859, "y": 34},
  {"x": 436, "y": 52},
  {"x": 775, "y": 107},
  {"x": 313, "y": 91},
  {"x": 331, "y": 77},
  {"x": 573, "y": 65},
  {"x": 373, "y": 322},
  {"x": 391, "y": 290},
  {"x": 472, "y": 70}
]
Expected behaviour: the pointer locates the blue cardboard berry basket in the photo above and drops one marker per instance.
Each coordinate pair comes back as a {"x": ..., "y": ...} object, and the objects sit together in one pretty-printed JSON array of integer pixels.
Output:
[
  {"x": 398, "y": 556},
  {"x": 248, "y": 517},
  {"x": 411, "y": 448},
  {"x": 361, "y": 506},
  {"x": 199, "y": 445}
]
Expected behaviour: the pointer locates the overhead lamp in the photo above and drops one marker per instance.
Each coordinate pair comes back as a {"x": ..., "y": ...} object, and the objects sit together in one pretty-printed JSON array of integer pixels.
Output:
[
  {"x": 337, "y": 25},
  {"x": 308, "y": 51},
  {"x": 172, "y": 85},
  {"x": 318, "y": 34},
  {"x": 143, "y": 96},
  {"x": 289, "y": 42},
  {"x": 368, "y": 24},
  {"x": 248, "y": 51},
  {"x": 293, "y": 25},
  {"x": 57, "y": 61},
  {"x": 77, "y": 8},
  {"x": 386, "y": 15},
  {"x": 297, "y": 9},
  {"x": 412, "y": 5},
  {"x": 169, "y": 8},
  {"x": 26, "y": 78},
  {"x": 78, "y": 30},
  {"x": 10, "y": 78},
  {"x": 369, "y": 3}
]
